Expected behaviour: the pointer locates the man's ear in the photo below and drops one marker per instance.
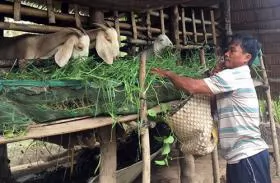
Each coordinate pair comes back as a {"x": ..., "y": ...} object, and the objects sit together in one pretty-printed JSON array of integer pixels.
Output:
[{"x": 248, "y": 57}]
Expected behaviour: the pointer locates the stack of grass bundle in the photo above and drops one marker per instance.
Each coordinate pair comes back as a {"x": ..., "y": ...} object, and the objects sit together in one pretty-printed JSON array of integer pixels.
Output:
[{"x": 86, "y": 87}]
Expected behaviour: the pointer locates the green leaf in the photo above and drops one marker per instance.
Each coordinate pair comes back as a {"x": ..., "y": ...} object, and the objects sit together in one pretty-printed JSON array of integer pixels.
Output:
[
  {"x": 160, "y": 162},
  {"x": 152, "y": 113},
  {"x": 166, "y": 149},
  {"x": 169, "y": 140}
]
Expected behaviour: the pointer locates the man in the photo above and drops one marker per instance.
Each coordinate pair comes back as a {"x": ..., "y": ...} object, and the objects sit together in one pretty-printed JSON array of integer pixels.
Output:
[{"x": 238, "y": 111}]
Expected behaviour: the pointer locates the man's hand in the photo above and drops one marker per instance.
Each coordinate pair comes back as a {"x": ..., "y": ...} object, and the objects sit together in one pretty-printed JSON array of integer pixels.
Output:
[{"x": 160, "y": 72}]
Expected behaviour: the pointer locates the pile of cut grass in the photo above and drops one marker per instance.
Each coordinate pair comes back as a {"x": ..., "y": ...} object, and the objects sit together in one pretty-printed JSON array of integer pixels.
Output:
[{"x": 123, "y": 70}]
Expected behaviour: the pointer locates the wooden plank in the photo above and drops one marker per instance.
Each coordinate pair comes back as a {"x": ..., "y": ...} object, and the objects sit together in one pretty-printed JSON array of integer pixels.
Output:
[{"x": 63, "y": 127}]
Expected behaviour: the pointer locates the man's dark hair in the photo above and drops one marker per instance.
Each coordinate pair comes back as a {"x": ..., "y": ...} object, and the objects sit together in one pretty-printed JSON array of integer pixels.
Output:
[{"x": 248, "y": 44}]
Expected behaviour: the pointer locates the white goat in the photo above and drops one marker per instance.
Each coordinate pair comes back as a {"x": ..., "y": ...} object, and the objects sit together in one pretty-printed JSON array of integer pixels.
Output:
[
  {"x": 160, "y": 43},
  {"x": 63, "y": 45}
]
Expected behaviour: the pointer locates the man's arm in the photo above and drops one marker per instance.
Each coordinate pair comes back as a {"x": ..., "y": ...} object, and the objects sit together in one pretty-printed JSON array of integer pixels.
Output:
[{"x": 187, "y": 84}]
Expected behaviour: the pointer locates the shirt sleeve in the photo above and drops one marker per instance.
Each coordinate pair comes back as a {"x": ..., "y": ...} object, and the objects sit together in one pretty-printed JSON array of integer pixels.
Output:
[{"x": 221, "y": 82}]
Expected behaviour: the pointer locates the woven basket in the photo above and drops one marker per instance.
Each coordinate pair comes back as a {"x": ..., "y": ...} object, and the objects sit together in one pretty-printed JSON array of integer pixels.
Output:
[{"x": 193, "y": 125}]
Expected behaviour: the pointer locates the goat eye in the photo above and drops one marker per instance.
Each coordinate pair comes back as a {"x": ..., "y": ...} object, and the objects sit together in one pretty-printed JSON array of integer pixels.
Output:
[{"x": 79, "y": 47}]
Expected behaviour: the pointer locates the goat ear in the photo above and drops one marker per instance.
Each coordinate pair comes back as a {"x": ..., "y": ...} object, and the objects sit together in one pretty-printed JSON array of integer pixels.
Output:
[
  {"x": 64, "y": 52},
  {"x": 104, "y": 47}
]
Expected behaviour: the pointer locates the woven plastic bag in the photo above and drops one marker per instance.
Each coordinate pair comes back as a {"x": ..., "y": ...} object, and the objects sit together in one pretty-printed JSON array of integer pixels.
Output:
[{"x": 193, "y": 125}]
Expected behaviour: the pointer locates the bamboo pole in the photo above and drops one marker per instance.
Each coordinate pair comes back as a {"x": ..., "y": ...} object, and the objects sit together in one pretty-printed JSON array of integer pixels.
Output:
[
  {"x": 194, "y": 26},
  {"x": 17, "y": 6},
  {"x": 146, "y": 176},
  {"x": 271, "y": 118},
  {"x": 184, "y": 26},
  {"x": 51, "y": 14},
  {"x": 162, "y": 25}
]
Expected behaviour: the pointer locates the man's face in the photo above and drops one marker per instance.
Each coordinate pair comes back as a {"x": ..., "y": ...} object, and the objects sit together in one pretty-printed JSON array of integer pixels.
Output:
[{"x": 235, "y": 56}]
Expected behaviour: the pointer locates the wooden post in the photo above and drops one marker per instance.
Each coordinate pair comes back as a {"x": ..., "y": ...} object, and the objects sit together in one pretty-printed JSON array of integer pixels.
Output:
[
  {"x": 51, "y": 14},
  {"x": 174, "y": 19},
  {"x": 108, "y": 151},
  {"x": 2, "y": 19},
  {"x": 5, "y": 172},
  {"x": 213, "y": 27},
  {"x": 271, "y": 119},
  {"x": 215, "y": 166},
  {"x": 162, "y": 25},
  {"x": 17, "y": 16},
  {"x": 148, "y": 22},
  {"x": 194, "y": 26},
  {"x": 183, "y": 19},
  {"x": 134, "y": 32},
  {"x": 117, "y": 25},
  {"x": 145, "y": 142},
  {"x": 227, "y": 18},
  {"x": 187, "y": 167},
  {"x": 77, "y": 16},
  {"x": 203, "y": 25},
  {"x": 202, "y": 56}
]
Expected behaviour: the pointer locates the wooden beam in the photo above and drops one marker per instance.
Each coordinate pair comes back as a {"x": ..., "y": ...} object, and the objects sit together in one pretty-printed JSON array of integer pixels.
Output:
[
  {"x": 66, "y": 126},
  {"x": 36, "y": 13}
]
